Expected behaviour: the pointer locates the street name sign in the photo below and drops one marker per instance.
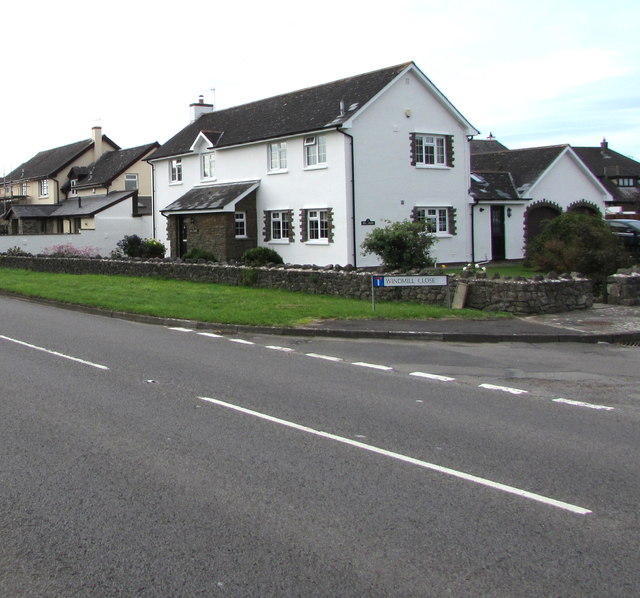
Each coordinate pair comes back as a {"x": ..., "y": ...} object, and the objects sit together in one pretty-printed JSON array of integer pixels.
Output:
[{"x": 410, "y": 281}]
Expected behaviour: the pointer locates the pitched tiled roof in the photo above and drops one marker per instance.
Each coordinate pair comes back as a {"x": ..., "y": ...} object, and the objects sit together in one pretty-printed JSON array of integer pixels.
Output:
[
  {"x": 76, "y": 207},
  {"x": 211, "y": 197},
  {"x": 493, "y": 186},
  {"x": 50, "y": 162},
  {"x": 112, "y": 164},
  {"x": 305, "y": 110},
  {"x": 606, "y": 165},
  {"x": 604, "y": 162},
  {"x": 483, "y": 146},
  {"x": 524, "y": 165}
]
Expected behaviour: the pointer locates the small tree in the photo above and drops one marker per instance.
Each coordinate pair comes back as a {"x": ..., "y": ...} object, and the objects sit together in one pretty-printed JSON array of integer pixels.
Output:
[
  {"x": 574, "y": 242},
  {"x": 401, "y": 245}
]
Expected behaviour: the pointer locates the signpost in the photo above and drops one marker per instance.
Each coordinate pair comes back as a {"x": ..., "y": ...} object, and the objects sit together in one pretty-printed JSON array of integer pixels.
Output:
[{"x": 407, "y": 281}]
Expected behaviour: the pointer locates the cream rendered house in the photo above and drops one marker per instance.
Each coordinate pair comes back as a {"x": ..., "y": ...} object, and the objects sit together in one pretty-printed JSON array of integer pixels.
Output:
[{"x": 87, "y": 194}]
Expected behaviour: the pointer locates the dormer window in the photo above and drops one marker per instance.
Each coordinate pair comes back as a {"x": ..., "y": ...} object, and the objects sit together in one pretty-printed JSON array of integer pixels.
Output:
[
  {"x": 625, "y": 182},
  {"x": 74, "y": 187},
  {"x": 208, "y": 165}
]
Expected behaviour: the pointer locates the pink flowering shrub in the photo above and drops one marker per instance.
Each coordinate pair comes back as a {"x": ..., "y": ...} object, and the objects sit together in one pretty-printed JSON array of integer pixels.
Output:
[{"x": 68, "y": 250}]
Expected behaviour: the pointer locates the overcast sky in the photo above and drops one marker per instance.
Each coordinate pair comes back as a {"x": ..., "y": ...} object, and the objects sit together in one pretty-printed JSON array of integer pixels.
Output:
[{"x": 531, "y": 72}]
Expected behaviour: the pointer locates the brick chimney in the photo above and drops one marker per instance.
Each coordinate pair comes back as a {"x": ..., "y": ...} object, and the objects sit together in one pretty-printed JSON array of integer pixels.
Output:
[
  {"x": 603, "y": 144},
  {"x": 96, "y": 135},
  {"x": 199, "y": 108}
]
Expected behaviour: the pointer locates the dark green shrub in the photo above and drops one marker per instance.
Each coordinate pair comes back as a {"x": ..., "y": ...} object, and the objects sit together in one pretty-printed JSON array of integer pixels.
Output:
[
  {"x": 134, "y": 246},
  {"x": 401, "y": 245},
  {"x": 199, "y": 254},
  {"x": 575, "y": 242},
  {"x": 261, "y": 256}
]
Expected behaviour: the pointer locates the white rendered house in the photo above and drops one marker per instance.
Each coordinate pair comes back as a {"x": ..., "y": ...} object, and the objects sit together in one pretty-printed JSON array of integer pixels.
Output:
[
  {"x": 310, "y": 173},
  {"x": 517, "y": 191}
]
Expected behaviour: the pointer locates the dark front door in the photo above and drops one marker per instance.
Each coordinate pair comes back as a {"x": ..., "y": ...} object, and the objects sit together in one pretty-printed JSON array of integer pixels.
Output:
[
  {"x": 497, "y": 233},
  {"x": 182, "y": 235}
]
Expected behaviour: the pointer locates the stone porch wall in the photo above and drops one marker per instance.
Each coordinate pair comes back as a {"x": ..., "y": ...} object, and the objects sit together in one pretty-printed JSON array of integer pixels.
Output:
[
  {"x": 624, "y": 287},
  {"x": 518, "y": 296}
]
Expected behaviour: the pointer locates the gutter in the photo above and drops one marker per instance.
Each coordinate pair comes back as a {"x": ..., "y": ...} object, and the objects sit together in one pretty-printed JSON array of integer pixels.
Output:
[{"x": 353, "y": 196}]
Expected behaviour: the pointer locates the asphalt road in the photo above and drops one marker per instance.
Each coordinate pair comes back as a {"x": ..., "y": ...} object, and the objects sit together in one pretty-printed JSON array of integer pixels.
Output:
[{"x": 139, "y": 460}]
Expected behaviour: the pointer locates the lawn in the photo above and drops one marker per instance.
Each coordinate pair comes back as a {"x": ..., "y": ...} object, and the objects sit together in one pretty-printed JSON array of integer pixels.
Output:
[{"x": 206, "y": 302}]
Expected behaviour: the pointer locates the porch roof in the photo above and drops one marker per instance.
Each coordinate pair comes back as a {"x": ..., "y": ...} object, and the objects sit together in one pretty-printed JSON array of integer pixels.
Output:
[{"x": 211, "y": 198}]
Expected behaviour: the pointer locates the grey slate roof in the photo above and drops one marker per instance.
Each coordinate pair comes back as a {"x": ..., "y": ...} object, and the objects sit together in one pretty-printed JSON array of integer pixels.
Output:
[
  {"x": 483, "y": 146},
  {"x": 305, "y": 110},
  {"x": 607, "y": 164},
  {"x": 493, "y": 186},
  {"x": 32, "y": 211},
  {"x": 110, "y": 165},
  {"x": 71, "y": 208},
  {"x": 50, "y": 162},
  {"x": 524, "y": 165},
  {"x": 211, "y": 197}
]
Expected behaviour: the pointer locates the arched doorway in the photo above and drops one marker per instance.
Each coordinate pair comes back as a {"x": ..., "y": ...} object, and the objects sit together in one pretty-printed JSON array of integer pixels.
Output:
[{"x": 536, "y": 218}]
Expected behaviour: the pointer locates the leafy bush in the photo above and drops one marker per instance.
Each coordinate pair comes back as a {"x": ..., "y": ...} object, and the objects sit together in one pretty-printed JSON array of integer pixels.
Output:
[
  {"x": 574, "y": 242},
  {"x": 199, "y": 254},
  {"x": 261, "y": 256},
  {"x": 134, "y": 246},
  {"x": 401, "y": 245},
  {"x": 17, "y": 251},
  {"x": 68, "y": 250}
]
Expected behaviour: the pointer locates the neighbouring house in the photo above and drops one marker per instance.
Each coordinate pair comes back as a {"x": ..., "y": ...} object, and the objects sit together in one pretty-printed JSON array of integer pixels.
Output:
[
  {"x": 310, "y": 173},
  {"x": 88, "y": 194},
  {"x": 517, "y": 191},
  {"x": 619, "y": 175}
]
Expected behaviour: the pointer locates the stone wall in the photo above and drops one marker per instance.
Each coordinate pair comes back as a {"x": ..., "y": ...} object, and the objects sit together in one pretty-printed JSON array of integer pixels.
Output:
[
  {"x": 518, "y": 296},
  {"x": 623, "y": 287}
]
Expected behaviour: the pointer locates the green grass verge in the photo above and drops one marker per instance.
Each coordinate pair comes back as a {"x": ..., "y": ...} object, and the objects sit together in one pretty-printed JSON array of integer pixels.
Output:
[{"x": 206, "y": 302}]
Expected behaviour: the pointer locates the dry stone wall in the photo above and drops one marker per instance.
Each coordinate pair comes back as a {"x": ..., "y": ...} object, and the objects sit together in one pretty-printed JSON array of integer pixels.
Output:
[
  {"x": 518, "y": 296},
  {"x": 623, "y": 288}
]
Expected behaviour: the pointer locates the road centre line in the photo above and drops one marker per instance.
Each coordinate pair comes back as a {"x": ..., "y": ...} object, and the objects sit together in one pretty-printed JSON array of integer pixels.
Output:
[
  {"x": 277, "y": 348},
  {"x": 583, "y": 404},
  {"x": 432, "y": 376},
  {"x": 327, "y": 357},
  {"x": 513, "y": 391},
  {"x": 55, "y": 353},
  {"x": 374, "y": 366},
  {"x": 424, "y": 464}
]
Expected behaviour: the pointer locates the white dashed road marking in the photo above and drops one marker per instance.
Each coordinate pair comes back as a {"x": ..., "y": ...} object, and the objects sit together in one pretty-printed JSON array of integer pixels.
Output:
[
  {"x": 582, "y": 404},
  {"x": 55, "y": 353},
  {"x": 424, "y": 464},
  {"x": 432, "y": 376},
  {"x": 513, "y": 391},
  {"x": 327, "y": 357},
  {"x": 373, "y": 366}
]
